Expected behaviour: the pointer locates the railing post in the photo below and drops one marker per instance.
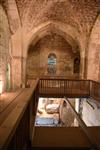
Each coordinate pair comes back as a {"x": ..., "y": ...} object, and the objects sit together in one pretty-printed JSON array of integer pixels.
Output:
[{"x": 69, "y": 87}]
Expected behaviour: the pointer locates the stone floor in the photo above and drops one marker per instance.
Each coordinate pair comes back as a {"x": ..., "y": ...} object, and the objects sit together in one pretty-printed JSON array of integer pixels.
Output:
[
  {"x": 47, "y": 119},
  {"x": 43, "y": 121},
  {"x": 52, "y": 113}
]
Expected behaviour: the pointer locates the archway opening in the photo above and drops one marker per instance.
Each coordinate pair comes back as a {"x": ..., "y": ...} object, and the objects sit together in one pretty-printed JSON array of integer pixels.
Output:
[{"x": 52, "y": 55}]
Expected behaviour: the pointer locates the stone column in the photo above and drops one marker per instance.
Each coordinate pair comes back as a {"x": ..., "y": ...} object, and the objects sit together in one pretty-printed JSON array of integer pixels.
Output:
[
  {"x": 23, "y": 71},
  {"x": 16, "y": 45}
]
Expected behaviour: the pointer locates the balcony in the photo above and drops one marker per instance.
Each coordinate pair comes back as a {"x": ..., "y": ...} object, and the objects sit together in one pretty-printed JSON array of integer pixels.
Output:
[{"x": 17, "y": 127}]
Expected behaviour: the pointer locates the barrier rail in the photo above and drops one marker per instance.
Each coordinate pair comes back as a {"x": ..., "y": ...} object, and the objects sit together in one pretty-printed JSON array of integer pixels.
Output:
[
  {"x": 17, "y": 128},
  {"x": 70, "y": 88},
  {"x": 64, "y": 87},
  {"x": 95, "y": 90}
]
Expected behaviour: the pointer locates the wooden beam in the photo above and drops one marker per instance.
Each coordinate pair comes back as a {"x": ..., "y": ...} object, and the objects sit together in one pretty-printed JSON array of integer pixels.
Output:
[{"x": 92, "y": 141}]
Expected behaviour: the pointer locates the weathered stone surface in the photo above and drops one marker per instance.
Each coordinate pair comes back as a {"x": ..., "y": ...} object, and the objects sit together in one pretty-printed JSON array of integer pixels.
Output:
[
  {"x": 37, "y": 62},
  {"x": 34, "y": 19},
  {"x": 78, "y": 13},
  {"x": 12, "y": 13},
  {"x": 48, "y": 112},
  {"x": 93, "y": 66},
  {"x": 52, "y": 108},
  {"x": 66, "y": 115},
  {"x": 93, "y": 111},
  {"x": 4, "y": 46}
]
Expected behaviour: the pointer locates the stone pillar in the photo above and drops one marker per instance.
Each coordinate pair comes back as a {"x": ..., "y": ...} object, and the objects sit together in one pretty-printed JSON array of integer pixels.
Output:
[
  {"x": 16, "y": 72},
  {"x": 23, "y": 71},
  {"x": 82, "y": 66},
  {"x": 4, "y": 46},
  {"x": 17, "y": 59},
  {"x": 94, "y": 52}
]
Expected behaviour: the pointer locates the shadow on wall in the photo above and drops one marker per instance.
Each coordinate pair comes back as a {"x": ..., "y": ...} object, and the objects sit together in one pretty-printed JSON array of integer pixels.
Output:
[{"x": 8, "y": 84}]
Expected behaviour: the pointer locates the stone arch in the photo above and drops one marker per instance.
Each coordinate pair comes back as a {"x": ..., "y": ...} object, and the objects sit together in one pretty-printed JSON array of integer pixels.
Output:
[
  {"x": 69, "y": 33},
  {"x": 12, "y": 15},
  {"x": 55, "y": 27},
  {"x": 62, "y": 49},
  {"x": 52, "y": 55},
  {"x": 4, "y": 45},
  {"x": 15, "y": 28},
  {"x": 66, "y": 31},
  {"x": 93, "y": 65}
]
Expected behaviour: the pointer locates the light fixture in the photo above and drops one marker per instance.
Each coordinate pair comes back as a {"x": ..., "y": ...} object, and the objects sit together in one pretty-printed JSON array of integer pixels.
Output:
[{"x": 0, "y": 87}]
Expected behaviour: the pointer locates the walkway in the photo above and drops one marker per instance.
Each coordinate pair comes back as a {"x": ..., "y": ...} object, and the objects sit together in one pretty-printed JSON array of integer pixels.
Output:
[{"x": 7, "y": 102}]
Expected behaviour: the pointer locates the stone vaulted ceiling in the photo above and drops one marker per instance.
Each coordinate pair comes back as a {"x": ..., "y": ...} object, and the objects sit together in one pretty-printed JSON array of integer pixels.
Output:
[{"x": 80, "y": 14}]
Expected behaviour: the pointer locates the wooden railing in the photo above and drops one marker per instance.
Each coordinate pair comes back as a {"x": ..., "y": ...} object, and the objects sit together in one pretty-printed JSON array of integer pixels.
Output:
[
  {"x": 70, "y": 88},
  {"x": 59, "y": 86},
  {"x": 95, "y": 90},
  {"x": 74, "y": 76},
  {"x": 17, "y": 128},
  {"x": 64, "y": 87}
]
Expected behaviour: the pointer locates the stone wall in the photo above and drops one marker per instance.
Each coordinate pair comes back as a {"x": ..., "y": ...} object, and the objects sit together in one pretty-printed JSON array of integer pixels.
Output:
[
  {"x": 91, "y": 113},
  {"x": 28, "y": 18},
  {"x": 78, "y": 13},
  {"x": 4, "y": 46},
  {"x": 37, "y": 61},
  {"x": 93, "y": 69},
  {"x": 66, "y": 115},
  {"x": 17, "y": 59}
]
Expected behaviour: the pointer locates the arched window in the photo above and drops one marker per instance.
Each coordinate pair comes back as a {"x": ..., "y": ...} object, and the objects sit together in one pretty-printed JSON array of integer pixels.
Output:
[
  {"x": 76, "y": 65},
  {"x": 52, "y": 63}
]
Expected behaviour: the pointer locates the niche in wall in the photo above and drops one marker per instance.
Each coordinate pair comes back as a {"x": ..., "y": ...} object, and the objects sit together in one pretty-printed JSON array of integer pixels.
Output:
[
  {"x": 8, "y": 77},
  {"x": 77, "y": 65}
]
